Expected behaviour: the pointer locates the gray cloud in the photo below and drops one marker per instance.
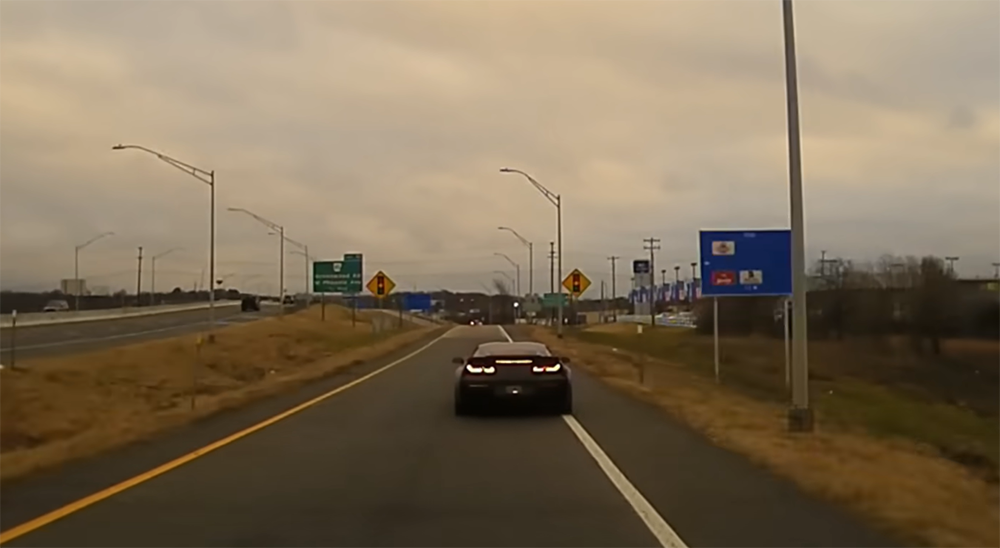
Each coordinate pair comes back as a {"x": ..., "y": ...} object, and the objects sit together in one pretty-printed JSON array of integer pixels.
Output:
[{"x": 380, "y": 127}]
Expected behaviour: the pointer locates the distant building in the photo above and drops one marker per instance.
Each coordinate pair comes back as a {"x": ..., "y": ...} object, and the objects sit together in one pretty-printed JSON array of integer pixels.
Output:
[
  {"x": 70, "y": 286},
  {"x": 99, "y": 290}
]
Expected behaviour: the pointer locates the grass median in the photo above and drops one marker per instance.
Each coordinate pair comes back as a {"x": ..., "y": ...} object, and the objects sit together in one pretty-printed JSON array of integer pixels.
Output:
[
  {"x": 912, "y": 450},
  {"x": 53, "y": 410}
]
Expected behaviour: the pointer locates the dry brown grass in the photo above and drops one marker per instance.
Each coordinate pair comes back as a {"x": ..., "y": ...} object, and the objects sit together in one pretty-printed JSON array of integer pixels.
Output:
[
  {"x": 58, "y": 409},
  {"x": 900, "y": 486}
]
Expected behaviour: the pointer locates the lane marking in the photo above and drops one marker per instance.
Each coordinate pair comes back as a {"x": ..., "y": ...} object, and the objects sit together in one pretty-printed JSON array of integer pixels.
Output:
[
  {"x": 665, "y": 534},
  {"x": 667, "y": 537},
  {"x": 41, "y": 521}
]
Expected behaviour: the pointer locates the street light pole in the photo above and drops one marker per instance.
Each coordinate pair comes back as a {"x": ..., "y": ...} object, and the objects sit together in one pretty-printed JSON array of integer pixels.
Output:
[
  {"x": 207, "y": 177},
  {"x": 152, "y": 274},
  {"x": 800, "y": 415},
  {"x": 556, "y": 200},
  {"x": 281, "y": 250},
  {"x": 76, "y": 267},
  {"x": 531, "y": 257},
  {"x": 304, "y": 253}
]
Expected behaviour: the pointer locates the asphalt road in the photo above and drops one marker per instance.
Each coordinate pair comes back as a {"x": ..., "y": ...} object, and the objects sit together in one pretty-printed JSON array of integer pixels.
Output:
[
  {"x": 386, "y": 463},
  {"x": 69, "y": 338}
]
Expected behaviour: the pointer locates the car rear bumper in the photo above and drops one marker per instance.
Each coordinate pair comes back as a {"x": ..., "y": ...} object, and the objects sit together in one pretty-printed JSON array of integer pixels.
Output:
[{"x": 513, "y": 390}]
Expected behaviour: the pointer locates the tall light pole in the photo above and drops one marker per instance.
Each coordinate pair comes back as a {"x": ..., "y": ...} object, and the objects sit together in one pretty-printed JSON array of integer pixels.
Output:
[
  {"x": 308, "y": 258},
  {"x": 614, "y": 289},
  {"x": 531, "y": 257},
  {"x": 517, "y": 269},
  {"x": 76, "y": 267},
  {"x": 800, "y": 415},
  {"x": 152, "y": 273},
  {"x": 281, "y": 252},
  {"x": 304, "y": 253},
  {"x": 207, "y": 177},
  {"x": 556, "y": 200}
]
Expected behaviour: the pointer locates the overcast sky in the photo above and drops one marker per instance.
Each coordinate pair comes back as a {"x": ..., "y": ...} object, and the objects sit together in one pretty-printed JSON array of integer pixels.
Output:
[{"x": 380, "y": 127}]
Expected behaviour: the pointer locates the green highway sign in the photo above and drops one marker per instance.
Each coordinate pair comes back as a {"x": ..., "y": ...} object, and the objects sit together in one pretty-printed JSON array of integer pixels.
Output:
[
  {"x": 344, "y": 276},
  {"x": 551, "y": 300}
]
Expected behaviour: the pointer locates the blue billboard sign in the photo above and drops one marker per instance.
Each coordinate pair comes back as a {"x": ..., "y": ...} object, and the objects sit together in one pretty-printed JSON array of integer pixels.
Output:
[
  {"x": 640, "y": 266},
  {"x": 737, "y": 263},
  {"x": 418, "y": 301}
]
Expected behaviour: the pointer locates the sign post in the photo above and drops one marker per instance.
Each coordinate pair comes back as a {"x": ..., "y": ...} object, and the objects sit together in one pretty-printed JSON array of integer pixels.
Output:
[{"x": 744, "y": 263}]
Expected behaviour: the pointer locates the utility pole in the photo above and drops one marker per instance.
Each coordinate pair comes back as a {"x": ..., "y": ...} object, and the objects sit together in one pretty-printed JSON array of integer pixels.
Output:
[
  {"x": 614, "y": 292},
  {"x": 552, "y": 273},
  {"x": 694, "y": 279},
  {"x": 951, "y": 264},
  {"x": 138, "y": 281},
  {"x": 552, "y": 267},
  {"x": 604, "y": 304},
  {"x": 677, "y": 281},
  {"x": 652, "y": 244}
]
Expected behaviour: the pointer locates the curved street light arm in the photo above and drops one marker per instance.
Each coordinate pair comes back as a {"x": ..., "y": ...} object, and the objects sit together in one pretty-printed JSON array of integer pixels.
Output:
[
  {"x": 94, "y": 239},
  {"x": 202, "y": 175},
  {"x": 551, "y": 196},
  {"x": 514, "y": 232},
  {"x": 261, "y": 220},
  {"x": 509, "y": 260}
]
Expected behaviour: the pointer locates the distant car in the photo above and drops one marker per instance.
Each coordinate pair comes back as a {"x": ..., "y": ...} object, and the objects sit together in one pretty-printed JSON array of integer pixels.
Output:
[
  {"x": 289, "y": 299},
  {"x": 56, "y": 306},
  {"x": 250, "y": 303},
  {"x": 499, "y": 372},
  {"x": 475, "y": 322}
]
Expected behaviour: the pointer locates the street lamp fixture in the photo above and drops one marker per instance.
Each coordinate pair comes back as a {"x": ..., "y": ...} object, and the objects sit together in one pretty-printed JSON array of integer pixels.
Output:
[
  {"x": 556, "y": 200},
  {"x": 207, "y": 177}
]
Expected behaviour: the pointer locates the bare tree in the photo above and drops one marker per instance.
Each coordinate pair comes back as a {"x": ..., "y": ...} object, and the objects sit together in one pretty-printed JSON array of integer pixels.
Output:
[{"x": 501, "y": 286}]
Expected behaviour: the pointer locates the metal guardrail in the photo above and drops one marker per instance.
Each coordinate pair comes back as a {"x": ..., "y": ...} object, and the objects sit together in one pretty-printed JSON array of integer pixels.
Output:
[{"x": 57, "y": 318}]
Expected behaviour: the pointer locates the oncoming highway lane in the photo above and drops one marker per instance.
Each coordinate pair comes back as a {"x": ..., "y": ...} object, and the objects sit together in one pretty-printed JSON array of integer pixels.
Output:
[{"x": 385, "y": 462}]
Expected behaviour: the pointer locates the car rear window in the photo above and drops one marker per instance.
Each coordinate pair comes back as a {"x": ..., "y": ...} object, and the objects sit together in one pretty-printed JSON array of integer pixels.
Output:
[{"x": 512, "y": 349}]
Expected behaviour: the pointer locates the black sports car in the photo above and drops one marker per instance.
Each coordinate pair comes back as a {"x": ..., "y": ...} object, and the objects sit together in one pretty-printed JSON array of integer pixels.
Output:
[{"x": 512, "y": 371}]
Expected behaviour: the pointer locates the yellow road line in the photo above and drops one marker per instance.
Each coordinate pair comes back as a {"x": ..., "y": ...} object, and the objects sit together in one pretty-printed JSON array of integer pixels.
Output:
[{"x": 89, "y": 500}]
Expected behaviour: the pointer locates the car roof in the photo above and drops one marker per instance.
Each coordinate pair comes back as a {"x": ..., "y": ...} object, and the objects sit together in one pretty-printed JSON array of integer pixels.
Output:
[{"x": 519, "y": 348}]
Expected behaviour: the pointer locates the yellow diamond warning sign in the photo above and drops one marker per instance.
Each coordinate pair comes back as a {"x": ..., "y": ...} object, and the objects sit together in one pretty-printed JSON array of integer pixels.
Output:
[
  {"x": 380, "y": 285},
  {"x": 576, "y": 283}
]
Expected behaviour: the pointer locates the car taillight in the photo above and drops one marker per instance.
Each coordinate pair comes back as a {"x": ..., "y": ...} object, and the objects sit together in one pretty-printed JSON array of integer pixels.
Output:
[
  {"x": 547, "y": 368},
  {"x": 480, "y": 370}
]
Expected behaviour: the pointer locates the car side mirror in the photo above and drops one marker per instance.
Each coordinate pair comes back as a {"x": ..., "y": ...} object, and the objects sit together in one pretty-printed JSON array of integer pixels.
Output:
[
  {"x": 459, "y": 361},
  {"x": 564, "y": 359}
]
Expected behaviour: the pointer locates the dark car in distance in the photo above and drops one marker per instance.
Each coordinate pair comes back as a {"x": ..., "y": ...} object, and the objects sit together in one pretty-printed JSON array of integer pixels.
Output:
[
  {"x": 509, "y": 372},
  {"x": 250, "y": 303}
]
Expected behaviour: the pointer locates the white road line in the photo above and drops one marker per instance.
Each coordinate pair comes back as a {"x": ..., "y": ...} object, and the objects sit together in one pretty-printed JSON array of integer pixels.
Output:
[{"x": 665, "y": 534}]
